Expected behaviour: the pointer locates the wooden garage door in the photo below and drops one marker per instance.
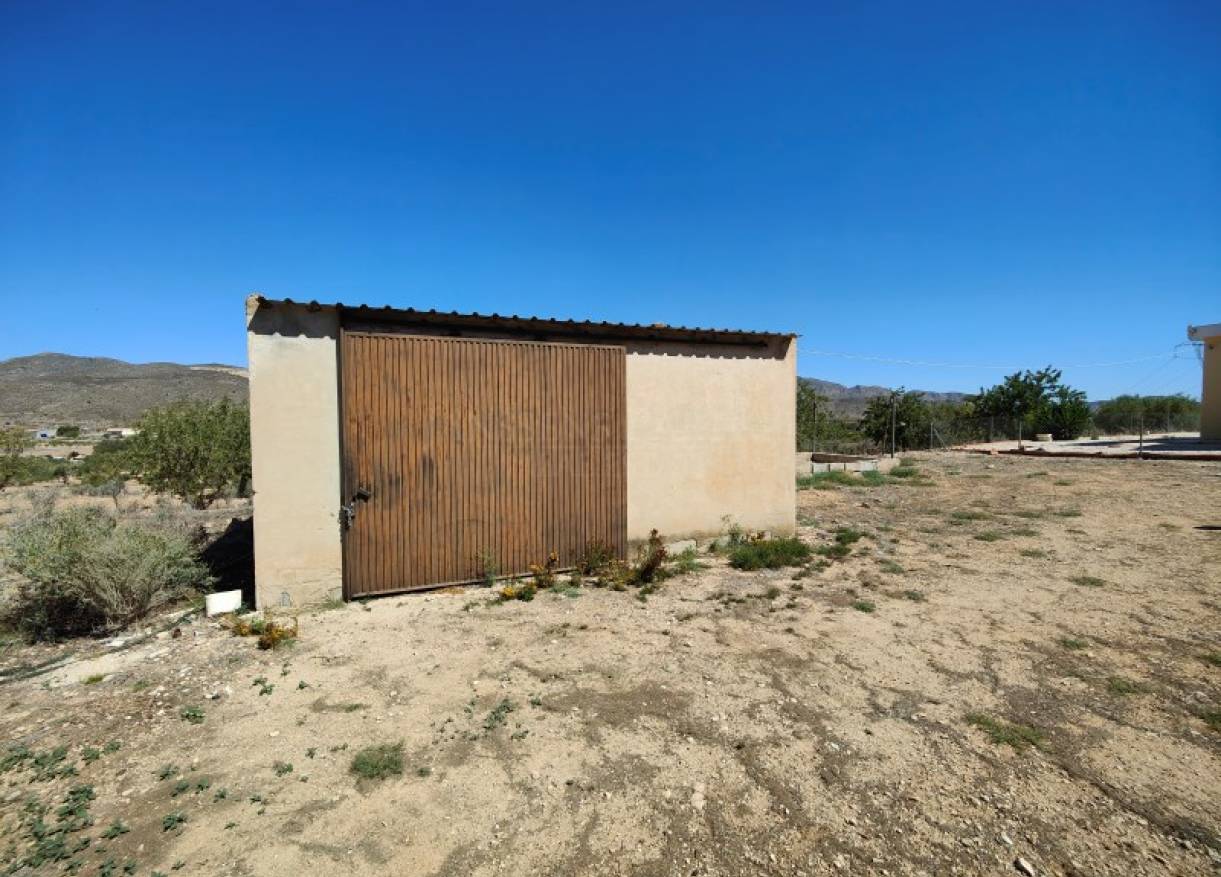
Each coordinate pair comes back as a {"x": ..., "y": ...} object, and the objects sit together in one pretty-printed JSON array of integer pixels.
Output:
[{"x": 457, "y": 449}]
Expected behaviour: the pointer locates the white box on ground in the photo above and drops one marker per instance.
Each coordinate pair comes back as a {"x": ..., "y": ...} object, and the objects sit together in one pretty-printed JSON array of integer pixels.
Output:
[{"x": 221, "y": 602}]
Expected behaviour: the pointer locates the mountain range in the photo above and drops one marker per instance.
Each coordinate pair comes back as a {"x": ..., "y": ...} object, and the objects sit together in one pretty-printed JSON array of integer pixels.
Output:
[
  {"x": 54, "y": 388},
  {"x": 851, "y": 401}
]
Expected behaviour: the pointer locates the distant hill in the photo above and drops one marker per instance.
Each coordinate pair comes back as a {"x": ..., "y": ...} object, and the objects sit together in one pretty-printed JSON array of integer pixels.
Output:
[
  {"x": 851, "y": 401},
  {"x": 54, "y": 388}
]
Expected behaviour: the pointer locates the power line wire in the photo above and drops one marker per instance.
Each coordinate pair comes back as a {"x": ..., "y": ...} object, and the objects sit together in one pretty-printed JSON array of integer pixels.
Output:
[{"x": 981, "y": 366}]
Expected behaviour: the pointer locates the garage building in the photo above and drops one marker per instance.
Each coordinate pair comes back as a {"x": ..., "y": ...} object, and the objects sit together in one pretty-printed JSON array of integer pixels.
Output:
[{"x": 398, "y": 449}]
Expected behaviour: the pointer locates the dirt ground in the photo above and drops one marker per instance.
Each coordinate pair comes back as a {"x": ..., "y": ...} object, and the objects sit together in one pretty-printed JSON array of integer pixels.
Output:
[{"x": 733, "y": 723}]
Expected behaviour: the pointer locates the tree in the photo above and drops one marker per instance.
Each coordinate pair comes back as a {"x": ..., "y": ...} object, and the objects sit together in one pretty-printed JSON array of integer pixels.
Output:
[
  {"x": 1036, "y": 401},
  {"x": 817, "y": 426},
  {"x": 1018, "y": 397},
  {"x": 1127, "y": 414},
  {"x": 910, "y": 419},
  {"x": 13, "y": 443},
  {"x": 1066, "y": 414},
  {"x": 194, "y": 450},
  {"x": 68, "y": 431}
]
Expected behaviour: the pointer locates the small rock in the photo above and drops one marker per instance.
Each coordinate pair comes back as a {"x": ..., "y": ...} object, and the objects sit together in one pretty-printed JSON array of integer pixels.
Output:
[
  {"x": 1024, "y": 867},
  {"x": 1006, "y": 839}
]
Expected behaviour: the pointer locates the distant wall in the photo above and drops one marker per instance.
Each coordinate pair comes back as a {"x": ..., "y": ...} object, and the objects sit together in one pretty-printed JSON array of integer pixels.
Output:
[{"x": 294, "y": 437}]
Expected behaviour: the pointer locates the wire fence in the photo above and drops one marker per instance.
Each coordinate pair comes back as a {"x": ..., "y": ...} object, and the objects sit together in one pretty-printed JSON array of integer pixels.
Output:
[{"x": 940, "y": 431}]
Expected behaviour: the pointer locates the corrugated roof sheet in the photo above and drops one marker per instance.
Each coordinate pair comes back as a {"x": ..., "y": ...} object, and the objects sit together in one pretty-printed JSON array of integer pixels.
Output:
[{"x": 552, "y": 326}]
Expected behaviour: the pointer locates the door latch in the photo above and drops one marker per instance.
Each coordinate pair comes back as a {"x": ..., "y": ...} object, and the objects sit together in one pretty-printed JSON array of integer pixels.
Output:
[{"x": 347, "y": 513}]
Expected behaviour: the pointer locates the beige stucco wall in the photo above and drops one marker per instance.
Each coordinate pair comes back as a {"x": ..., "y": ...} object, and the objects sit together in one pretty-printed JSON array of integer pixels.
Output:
[
  {"x": 710, "y": 433},
  {"x": 1210, "y": 396},
  {"x": 294, "y": 436}
]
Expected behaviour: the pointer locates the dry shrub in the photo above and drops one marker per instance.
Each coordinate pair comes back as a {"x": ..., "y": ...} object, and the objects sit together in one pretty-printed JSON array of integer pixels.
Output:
[
  {"x": 649, "y": 559},
  {"x": 523, "y": 589},
  {"x": 594, "y": 557},
  {"x": 83, "y": 571},
  {"x": 271, "y": 634},
  {"x": 544, "y": 574}
]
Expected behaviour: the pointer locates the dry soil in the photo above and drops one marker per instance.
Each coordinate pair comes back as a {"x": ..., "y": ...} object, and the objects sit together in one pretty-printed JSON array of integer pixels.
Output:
[{"x": 837, "y": 719}]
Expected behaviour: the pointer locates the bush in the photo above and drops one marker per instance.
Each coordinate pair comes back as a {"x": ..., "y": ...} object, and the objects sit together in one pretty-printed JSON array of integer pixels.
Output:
[
  {"x": 769, "y": 554},
  {"x": 13, "y": 443},
  {"x": 108, "y": 463},
  {"x": 34, "y": 470},
  {"x": 83, "y": 571}
]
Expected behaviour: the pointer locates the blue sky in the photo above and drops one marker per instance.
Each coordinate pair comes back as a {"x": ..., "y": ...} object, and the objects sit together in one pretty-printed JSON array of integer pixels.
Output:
[{"x": 1001, "y": 184}]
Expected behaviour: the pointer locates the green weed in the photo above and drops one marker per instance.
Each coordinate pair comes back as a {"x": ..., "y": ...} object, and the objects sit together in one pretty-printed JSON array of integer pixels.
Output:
[
  {"x": 379, "y": 762},
  {"x": 769, "y": 554},
  {"x": 828, "y": 480},
  {"x": 1087, "y": 581},
  {"x": 686, "y": 561},
  {"x": 1122, "y": 687},
  {"x": 1004, "y": 733},
  {"x": 499, "y": 715}
]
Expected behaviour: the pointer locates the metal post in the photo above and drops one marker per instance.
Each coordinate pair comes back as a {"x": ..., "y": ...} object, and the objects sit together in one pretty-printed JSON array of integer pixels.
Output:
[
  {"x": 814, "y": 441},
  {"x": 892, "y": 427}
]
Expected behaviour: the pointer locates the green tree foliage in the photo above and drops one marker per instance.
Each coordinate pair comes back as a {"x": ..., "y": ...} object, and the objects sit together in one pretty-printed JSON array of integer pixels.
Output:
[
  {"x": 1037, "y": 400},
  {"x": 1126, "y": 414},
  {"x": 13, "y": 443},
  {"x": 1018, "y": 396},
  {"x": 817, "y": 427},
  {"x": 110, "y": 462},
  {"x": 68, "y": 431},
  {"x": 1066, "y": 414},
  {"x": 194, "y": 450},
  {"x": 911, "y": 419}
]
